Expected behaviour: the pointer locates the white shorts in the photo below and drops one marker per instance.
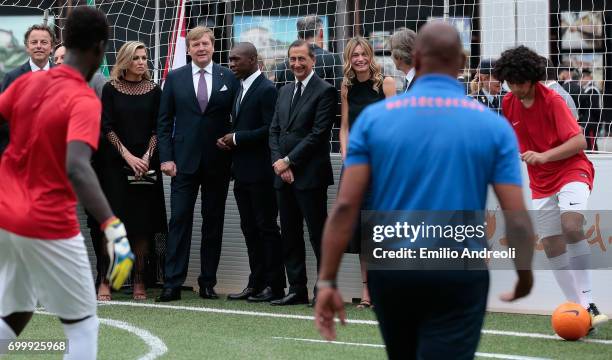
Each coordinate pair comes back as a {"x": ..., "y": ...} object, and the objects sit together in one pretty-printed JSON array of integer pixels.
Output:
[
  {"x": 573, "y": 197},
  {"x": 54, "y": 273}
]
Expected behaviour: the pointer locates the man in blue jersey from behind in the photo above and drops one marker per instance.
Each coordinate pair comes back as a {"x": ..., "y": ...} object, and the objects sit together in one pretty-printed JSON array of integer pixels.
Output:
[{"x": 417, "y": 152}]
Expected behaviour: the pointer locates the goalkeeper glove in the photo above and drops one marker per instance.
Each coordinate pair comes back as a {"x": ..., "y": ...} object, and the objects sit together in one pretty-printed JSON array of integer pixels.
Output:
[{"x": 121, "y": 256}]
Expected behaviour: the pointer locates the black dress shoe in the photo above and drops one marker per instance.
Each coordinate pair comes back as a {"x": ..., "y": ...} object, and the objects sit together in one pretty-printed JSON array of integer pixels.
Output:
[
  {"x": 291, "y": 299},
  {"x": 246, "y": 293},
  {"x": 313, "y": 303},
  {"x": 208, "y": 293},
  {"x": 267, "y": 295},
  {"x": 169, "y": 295}
]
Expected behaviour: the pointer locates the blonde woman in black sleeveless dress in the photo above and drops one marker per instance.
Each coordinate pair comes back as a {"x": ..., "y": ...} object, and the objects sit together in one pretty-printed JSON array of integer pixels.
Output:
[{"x": 363, "y": 84}]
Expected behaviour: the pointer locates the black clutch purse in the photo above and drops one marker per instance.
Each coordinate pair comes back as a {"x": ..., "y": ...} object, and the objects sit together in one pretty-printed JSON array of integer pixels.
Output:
[{"x": 149, "y": 178}]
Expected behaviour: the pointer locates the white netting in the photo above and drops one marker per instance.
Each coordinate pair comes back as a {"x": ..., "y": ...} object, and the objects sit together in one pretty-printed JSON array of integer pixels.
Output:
[{"x": 573, "y": 34}]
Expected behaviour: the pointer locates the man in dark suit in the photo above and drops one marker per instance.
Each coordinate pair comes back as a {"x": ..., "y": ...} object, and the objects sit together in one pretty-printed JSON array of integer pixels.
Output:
[
  {"x": 39, "y": 41},
  {"x": 569, "y": 78},
  {"x": 328, "y": 66},
  {"x": 253, "y": 176},
  {"x": 490, "y": 90},
  {"x": 194, "y": 112},
  {"x": 299, "y": 144},
  {"x": 402, "y": 42},
  {"x": 590, "y": 105}
]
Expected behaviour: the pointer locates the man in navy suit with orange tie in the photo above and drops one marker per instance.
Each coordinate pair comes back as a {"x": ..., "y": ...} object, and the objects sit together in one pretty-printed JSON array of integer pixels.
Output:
[{"x": 194, "y": 112}]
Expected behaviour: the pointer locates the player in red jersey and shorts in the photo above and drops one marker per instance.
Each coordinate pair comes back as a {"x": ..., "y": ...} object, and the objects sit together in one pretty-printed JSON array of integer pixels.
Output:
[
  {"x": 560, "y": 175},
  {"x": 54, "y": 121}
]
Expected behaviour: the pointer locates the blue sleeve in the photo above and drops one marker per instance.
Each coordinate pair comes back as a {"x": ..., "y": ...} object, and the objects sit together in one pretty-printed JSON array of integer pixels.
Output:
[
  {"x": 358, "y": 148},
  {"x": 507, "y": 166}
]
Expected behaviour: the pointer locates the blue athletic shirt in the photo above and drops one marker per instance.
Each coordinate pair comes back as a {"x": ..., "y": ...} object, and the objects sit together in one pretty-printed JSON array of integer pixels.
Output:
[{"x": 433, "y": 148}]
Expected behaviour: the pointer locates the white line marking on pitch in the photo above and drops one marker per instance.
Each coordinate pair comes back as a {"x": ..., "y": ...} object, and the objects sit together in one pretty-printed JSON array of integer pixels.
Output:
[
  {"x": 481, "y": 354},
  {"x": 541, "y": 336},
  {"x": 231, "y": 312},
  {"x": 308, "y": 317},
  {"x": 157, "y": 347}
]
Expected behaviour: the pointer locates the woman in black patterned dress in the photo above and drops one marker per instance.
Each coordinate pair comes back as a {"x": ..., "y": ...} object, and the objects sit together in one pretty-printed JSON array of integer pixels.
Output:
[{"x": 130, "y": 102}]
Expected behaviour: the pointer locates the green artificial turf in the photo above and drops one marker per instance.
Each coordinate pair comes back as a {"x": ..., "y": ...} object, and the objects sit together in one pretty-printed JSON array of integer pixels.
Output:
[{"x": 207, "y": 335}]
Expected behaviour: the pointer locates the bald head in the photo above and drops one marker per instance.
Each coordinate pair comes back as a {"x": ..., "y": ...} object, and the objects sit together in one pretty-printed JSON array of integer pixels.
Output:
[
  {"x": 438, "y": 50},
  {"x": 243, "y": 60},
  {"x": 246, "y": 49}
]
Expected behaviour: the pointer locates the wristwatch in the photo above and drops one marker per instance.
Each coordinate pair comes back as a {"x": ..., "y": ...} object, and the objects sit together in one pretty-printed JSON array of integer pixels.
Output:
[
  {"x": 321, "y": 284},
  {"x": 286, "y": 160}
]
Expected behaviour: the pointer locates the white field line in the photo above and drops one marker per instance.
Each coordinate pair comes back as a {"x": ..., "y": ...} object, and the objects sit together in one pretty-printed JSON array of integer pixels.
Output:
[
  {"x": 308, "y": 317},
  {"x": 481, "y": 354},
  {"x": 156, "y": 346},
  {"x": 231, "y": 312},
  {"x": 541, "y": 336},
  {"x": 329, "y": 342}
]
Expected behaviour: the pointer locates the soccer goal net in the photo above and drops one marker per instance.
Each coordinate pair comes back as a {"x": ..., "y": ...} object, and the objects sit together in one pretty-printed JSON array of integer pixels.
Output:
[{"x": 573, "y": 35}]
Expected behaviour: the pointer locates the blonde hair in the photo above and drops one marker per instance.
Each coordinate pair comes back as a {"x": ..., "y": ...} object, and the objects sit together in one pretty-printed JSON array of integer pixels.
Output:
[
  {"x": 124, "y": 60},
  {"x": 197, "y": 32},
  {"x": 375, "y": 69}
]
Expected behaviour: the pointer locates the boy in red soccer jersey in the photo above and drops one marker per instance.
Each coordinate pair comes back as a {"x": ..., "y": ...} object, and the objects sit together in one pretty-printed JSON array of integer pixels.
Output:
[
  {"x": 560, "y": 174},
  {"x": 54, "y": 122}
]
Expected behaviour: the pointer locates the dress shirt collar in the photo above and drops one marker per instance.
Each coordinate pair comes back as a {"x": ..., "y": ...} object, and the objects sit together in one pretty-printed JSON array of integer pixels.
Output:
[
  {"x": 246, "y": 83},
  {"x": 305, "y": 81},
  {"x": 410, "y": 76},
  {"x": 196, "y": 69},
  {"x": 488, "y": 95},
  {"x": 35, "y": 67}
]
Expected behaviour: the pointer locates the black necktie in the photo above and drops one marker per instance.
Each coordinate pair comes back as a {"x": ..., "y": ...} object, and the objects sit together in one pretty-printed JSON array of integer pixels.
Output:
[
  {"x": 296, "y": 96},
  {"x": 239, "y": 99}
]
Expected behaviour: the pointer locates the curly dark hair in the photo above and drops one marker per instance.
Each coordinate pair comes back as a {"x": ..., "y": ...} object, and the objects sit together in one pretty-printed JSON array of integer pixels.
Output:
[
  {"x": 519, "y": 65},
  {"x": 85, "y": 28}
]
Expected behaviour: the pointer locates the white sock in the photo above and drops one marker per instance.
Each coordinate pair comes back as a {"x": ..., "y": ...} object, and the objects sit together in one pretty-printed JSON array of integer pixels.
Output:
[
  {"x": 580, "y": 263},
  {"x": 82, "y": 339},
  {"x": 564, "y": 277},
  {"x": 6, "y": 333}
]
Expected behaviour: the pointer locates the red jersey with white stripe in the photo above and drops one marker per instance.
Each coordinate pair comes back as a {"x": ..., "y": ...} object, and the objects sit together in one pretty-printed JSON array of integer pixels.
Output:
[
  {"x": 547, "y": 124},
  {"x": 45, "y": 110}
]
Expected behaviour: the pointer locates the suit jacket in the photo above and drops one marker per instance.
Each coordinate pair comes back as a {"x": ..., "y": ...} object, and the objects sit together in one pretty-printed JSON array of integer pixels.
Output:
[
  {"x": 304, "y": 133},
  {"x": 9, "y": 78},
  {"x": 574, "y": 89},
  {"x": 186, "y": 135},
  {"x": 15, "y": 73},
  {"x": 590, "y": 105},
  {"x": 494, "y": 105},
  {"x": 328, "y": 67},
  {"x": 251, "y": 125}
]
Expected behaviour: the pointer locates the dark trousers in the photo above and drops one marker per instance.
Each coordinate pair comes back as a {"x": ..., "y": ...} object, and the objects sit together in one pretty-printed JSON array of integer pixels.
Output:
[
  {"x": 184, "y": 192},
  {"x": 258, "y": 213},
  {"x": 429, "y": 314},
  {"x": 98, "y": 242},
  {"x": 295, "y": 206}
]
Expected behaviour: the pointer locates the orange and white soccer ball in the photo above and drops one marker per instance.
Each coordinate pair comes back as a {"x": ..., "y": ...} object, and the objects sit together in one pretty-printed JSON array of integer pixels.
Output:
[{"x": 571, "y": 321}]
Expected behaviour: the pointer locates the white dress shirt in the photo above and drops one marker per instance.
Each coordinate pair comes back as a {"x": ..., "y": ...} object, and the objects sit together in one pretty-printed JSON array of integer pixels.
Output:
[
  {"x": 35, "y": 67},
  {"x": 488, "y": 95},
  {"x": 195, "y": 71},
  {"x": 410, "y": 77},
  {"x": 304, "y": 83},
  {"x": 246, "y": 84}
]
